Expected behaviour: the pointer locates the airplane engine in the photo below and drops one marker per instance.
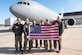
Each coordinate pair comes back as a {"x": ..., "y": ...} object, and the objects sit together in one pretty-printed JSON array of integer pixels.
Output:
[{"x": 71, "y": 22}]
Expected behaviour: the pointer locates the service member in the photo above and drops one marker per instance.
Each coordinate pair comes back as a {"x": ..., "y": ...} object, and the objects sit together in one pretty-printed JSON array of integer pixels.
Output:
[
  {"x": 46, "y": 42},
  {"x": 18, "y": 29},
  {"x": 36, "y": 41},
  {"x": 41, "y": 23},
  {"x": 61, "y": 29},
  {"x": 26, "y": 33}
]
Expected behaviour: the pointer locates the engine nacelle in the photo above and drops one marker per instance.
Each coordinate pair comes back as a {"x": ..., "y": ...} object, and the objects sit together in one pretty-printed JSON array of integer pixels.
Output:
[{"x": 71, "y": 22}]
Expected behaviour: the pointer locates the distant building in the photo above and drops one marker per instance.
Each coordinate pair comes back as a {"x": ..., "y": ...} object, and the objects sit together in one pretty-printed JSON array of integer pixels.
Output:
[{"x": 9, "y": 21}]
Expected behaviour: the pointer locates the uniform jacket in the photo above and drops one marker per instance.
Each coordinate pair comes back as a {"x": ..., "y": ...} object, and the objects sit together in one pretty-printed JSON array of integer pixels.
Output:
[
  {"x": 17, "y": 29},
  {"x": 60, "y": 24},
  {"x": 26, "y": 29}
]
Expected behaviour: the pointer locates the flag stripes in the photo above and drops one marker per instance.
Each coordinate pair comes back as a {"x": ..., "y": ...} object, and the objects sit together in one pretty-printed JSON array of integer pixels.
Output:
[{"x": 44, "y": 32}]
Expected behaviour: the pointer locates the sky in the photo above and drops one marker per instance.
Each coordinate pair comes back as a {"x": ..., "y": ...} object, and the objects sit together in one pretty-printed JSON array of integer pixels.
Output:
[{"x": 55, "y": 5}]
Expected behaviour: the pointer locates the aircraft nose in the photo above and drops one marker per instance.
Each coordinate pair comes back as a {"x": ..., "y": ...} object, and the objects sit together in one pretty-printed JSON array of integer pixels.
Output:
[
  {"x": 18, "y": 10},
  {"x": 14, "y": 9}
]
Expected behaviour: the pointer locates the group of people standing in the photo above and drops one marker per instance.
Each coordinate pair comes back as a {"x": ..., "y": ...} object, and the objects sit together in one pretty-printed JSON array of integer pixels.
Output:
[{"x": 19, "y": 28}]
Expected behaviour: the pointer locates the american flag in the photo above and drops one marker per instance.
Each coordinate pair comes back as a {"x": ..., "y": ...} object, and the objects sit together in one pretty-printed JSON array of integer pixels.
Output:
[{"x": 44, "y": 32}]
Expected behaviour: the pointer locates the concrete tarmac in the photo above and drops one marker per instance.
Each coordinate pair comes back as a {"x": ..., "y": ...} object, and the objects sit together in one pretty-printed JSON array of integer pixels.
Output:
[{"x": 71, "y": 43}]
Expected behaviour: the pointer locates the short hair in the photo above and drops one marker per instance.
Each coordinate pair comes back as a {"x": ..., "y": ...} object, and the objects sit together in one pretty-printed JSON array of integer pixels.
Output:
[
  {"x": 47, "y": 20},
  {"x": 41, "y": 20},
  {"x": 18, "y": 18},
  {"x": 26, "y": 18},
  {"x": 59, "y": 18}
]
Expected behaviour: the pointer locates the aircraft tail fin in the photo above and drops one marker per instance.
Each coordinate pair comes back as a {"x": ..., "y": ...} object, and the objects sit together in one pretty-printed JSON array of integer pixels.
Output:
[{"x": 62, "y": 13}]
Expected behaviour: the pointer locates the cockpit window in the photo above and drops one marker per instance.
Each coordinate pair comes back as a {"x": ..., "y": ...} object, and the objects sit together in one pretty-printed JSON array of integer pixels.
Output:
[
  {"x": 28, "y": 3},
  {"x": 24, "y": 2},
  {"x": 19, "y": 2}
]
